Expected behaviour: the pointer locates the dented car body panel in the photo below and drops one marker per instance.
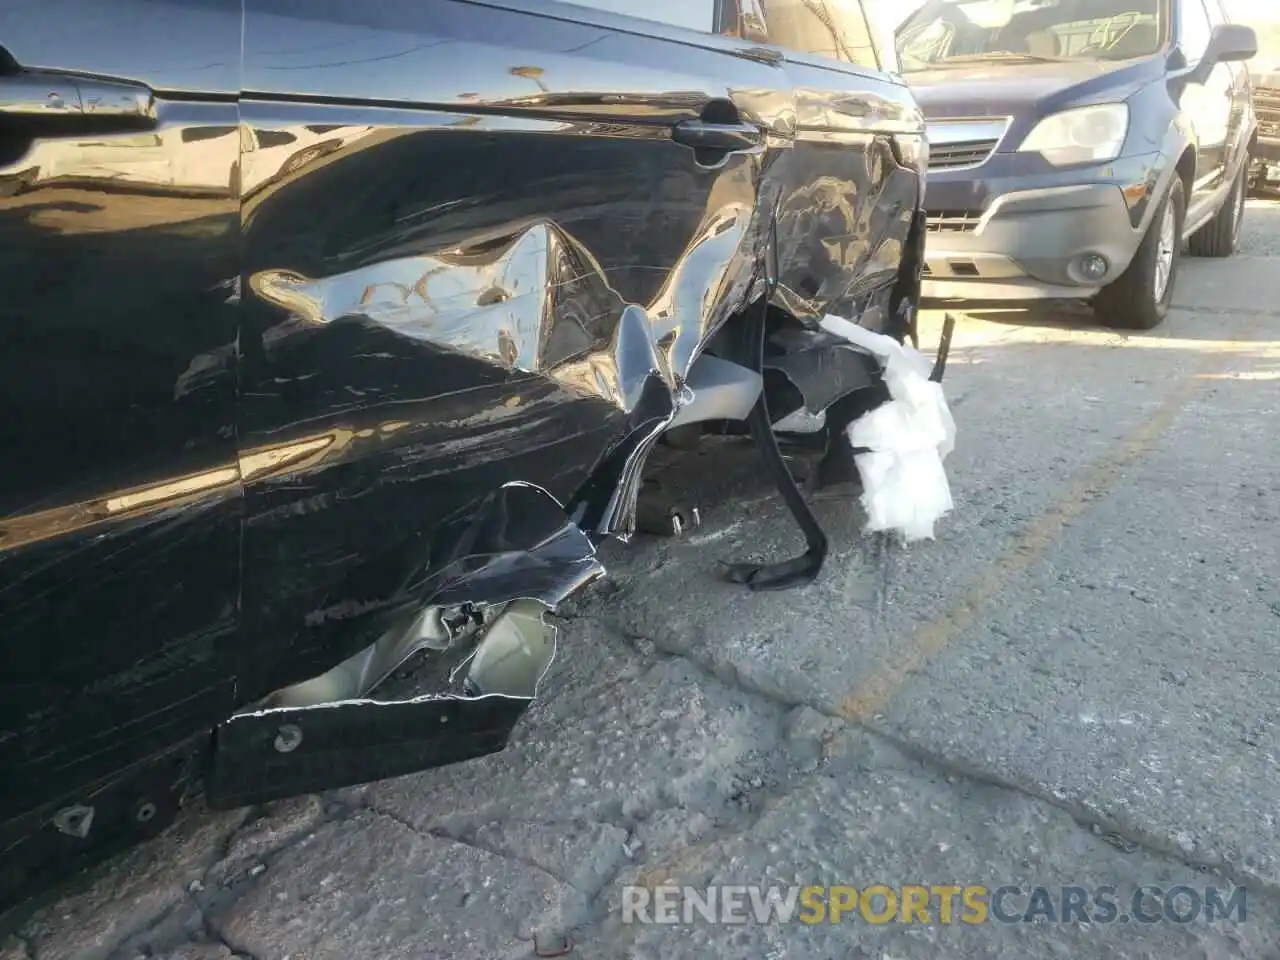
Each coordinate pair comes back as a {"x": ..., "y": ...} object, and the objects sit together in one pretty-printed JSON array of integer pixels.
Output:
[{"x": 373, "y": 322}]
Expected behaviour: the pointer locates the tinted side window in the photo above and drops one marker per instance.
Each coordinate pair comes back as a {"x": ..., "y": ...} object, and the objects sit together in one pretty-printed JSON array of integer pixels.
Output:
[
  {"x": 690, "y": 14},
  {"x": 1194, "y": 29},
  {"x": 836, "y": 29}
]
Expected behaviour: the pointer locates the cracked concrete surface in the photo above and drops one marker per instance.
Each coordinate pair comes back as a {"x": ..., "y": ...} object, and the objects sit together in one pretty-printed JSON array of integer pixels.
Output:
[{"x": 1074, "y": 685}]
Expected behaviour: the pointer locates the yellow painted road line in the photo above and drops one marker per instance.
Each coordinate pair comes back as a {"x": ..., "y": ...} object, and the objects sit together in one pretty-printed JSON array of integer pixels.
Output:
[{"x": 912, "y": 652}]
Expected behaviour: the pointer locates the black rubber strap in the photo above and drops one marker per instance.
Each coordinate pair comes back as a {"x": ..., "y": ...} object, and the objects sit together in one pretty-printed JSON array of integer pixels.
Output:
[
  {"x": 944, "y": 348},
  {"x": 800, "y": 570}
]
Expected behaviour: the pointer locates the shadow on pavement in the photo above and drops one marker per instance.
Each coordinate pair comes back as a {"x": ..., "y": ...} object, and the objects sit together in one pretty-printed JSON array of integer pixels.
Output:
[{"x": 1075, "y": 314}]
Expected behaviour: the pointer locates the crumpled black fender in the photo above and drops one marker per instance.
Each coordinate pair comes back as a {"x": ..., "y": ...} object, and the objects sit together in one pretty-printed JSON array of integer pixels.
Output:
[{"x": 518, "y": 545}]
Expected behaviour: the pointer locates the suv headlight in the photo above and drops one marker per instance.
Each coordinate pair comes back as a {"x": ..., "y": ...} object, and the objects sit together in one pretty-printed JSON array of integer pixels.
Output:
[{"x": 1081, "y": 135}]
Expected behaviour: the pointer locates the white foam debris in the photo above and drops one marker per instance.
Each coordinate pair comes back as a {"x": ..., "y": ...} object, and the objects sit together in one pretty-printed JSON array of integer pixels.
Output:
[{"x": 904, "y": 483}]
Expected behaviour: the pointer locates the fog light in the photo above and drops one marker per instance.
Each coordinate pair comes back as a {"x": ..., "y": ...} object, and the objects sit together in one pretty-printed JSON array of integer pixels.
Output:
[{"x": 1094, "y": 266}]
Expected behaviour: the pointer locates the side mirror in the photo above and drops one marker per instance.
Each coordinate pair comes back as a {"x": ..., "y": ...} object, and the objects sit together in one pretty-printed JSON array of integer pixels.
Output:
[{"x": 1229, "y": 42}]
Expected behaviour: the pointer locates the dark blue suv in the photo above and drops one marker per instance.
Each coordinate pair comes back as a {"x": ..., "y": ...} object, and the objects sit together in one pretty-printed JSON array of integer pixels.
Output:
[{"x": 1076, "y": 144}]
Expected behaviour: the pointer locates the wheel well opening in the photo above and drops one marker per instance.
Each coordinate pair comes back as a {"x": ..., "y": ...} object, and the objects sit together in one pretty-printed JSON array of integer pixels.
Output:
[{"x": 1187, "y": 170}]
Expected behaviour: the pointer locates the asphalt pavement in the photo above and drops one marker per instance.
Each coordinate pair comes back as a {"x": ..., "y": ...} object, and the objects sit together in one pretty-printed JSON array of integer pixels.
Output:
[{"x": 1075, "y": 685}]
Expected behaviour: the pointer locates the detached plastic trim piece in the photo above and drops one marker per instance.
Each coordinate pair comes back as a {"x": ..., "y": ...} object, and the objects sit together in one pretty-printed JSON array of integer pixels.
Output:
[
  {"x": 944, "y": 348},
  {"x": 803, "y": 569}
]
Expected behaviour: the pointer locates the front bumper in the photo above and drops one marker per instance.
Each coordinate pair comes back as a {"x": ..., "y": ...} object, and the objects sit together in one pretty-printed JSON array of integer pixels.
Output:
[{"x": 1026, "y": 236}]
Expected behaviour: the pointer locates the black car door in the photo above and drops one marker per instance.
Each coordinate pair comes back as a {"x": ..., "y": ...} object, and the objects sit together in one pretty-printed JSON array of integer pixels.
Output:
[
  {"x": 119, "y": 484},
  {"x": 472, "y": 231}
]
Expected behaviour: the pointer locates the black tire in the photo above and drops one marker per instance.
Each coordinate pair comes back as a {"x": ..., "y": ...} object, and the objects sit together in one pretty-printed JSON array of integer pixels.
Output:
[
  {"x": 1130, "y": 301},
  {"x": 1220, "y": 237}
]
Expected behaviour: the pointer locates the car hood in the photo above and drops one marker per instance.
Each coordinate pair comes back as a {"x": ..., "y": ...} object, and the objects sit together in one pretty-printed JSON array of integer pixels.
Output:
[{"x": 1015, "y": 88}]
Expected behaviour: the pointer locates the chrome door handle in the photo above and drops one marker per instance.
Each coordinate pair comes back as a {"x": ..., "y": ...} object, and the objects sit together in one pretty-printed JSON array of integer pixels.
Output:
[
  {"x": 50, "y": 96},
  {"x": 725, "y": 137}
]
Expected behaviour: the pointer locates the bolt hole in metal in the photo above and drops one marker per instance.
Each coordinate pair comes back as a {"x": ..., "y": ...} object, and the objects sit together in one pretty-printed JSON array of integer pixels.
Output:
[
  {"x": 288, "y": 738},
  {"x": 145, "y": 813},
  {"x": 74, "y": 821}
]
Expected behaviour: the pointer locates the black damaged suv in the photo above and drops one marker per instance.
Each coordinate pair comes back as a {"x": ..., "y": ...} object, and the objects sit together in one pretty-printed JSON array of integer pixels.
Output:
[{"x": 335, "y": 335}]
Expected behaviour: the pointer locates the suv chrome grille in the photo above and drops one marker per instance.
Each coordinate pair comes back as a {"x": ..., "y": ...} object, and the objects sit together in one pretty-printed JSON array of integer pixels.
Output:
[
  {"x": 952, "y": 221},
  {"x": 963, "y": 143},
  {"x": 968, "y": 153},
  {"x": 1266, "y": 103}
]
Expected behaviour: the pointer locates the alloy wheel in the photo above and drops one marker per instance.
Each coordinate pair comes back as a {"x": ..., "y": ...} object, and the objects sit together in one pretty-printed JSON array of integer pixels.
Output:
[
  {"x": 1237, "y": 214},
  {"x": 1165, "y": 249}
]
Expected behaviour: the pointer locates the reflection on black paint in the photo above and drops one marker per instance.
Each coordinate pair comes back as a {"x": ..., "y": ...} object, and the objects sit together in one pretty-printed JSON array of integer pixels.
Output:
[{"x": 274, "y": 360}]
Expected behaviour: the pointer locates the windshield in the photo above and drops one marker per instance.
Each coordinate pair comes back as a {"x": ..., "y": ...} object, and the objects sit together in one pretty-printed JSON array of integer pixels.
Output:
[{"x": 946, "y": 32}]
